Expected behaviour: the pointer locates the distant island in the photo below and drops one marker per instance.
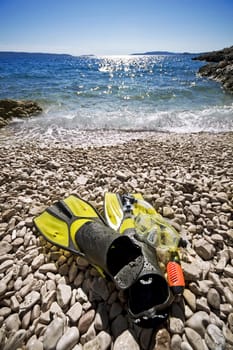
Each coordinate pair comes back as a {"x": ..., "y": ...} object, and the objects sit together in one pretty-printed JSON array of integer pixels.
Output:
[
  {"x": 25, "y": 54},
  {"x": 162, "y": 53}
]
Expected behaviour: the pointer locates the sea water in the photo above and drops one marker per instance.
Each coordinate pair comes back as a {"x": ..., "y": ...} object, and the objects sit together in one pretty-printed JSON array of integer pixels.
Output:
[{"x": 133, "y": 93}]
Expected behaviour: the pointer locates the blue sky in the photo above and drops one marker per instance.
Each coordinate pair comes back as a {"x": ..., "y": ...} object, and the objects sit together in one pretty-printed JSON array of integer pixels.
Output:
[{"x": 115, "y": 26}]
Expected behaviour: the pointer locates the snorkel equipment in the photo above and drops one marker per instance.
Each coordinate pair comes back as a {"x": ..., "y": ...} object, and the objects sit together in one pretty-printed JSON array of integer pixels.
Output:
[
  {"x": 152, "y": 294},
  {"x": 134, "y": 245}
]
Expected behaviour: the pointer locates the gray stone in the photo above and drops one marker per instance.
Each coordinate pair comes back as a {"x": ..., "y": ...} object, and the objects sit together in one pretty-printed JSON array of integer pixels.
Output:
[
  {"x": 217, "y": 238},
  {"x": 26, "y": 320},
  {"x": 55, "y": 308},
  {"x": 214, "y": 319},
  {"x": 79, "y": 279},
  {"x": 204, "y": 249},
  {"x": 192, "y": 272},
  {"x": 39, "y": 328},
  {"x": 228, "y": 295},
  {"x": 192, "y": 228},
  {"x": 75, "y": 312},
  {"x": 26, "y": 288},
  {"x": 199, "y": 321},
  {"x": 214, "y": 338},
  {"x": 230, "y": 321},
  {"x": 228, "y": 335},
  {"x": 5, "y": 311},
  {"x": 30, "y": 300},
  {"x": 204, "y": 286},
  {"x": 3, "y": 287},
  {"x": 175, "y": 342},
  {"x": 50, "y": 285},
  {"x": 38, "y": 261},
  {"x": 8, "y": 213},
  {"x": 18, "y": 283},
  {"x": 226, "y": 309},
  {"x": 18, "y": 242},
  {"x": 126, "y": 341},
  {"x": 48, "y": 299},
  {"x": 185, "y": 346},
  {"x": 6, "y": 265},
  {"x": 221, "y": 197},
  {"x": 35, "y": 312},
  {"x": 217, "y": 283},
  {"x": 72, "y": 272},
  {"x": 229, "y": 234},
  {"x": 63, "y": 295},
  {"x": 123, "y": 176},
  {"x": 45, "y": 317},
  {"x": 34, "y": 344},
  {"x": 16, "y": 340},
  {"x": 81, "y": 179},
  {"x": 162, "y": 340},
  {"x": 176, "y": 325},
  {"x": 188, "y": 312},
  {"x": 190, "y": 298},
  {"x": 81, "y": 296},
  {"x": 195, "y": 209},
  {"x": 89, "y": 335},
  {"x": 101, "y": 342},
  {"x": 221, "y": 265},
  {"x": 2, "y": 337},
  {"x": 168, "y": 212},
  {"x": 53, "y": 333},
  {"x": 5, "y": 247},
  {"x": 85, "y": 321},
  {"x": 78, "y": 347},
  {"x": 194, "y": 339},
  {"x": 194, "y": 288},
  {"x": 228, "y": 271},
  {"x": 202, "y": 305},
  {"x": 101, "y": 317},
  {"x": 12, "y": 322},
  {"x": 82, "y": 262},
  {"x": 50, "y": 267},
  {"x": 213, "y": 298},
  {"x": 69, "y": 339}
]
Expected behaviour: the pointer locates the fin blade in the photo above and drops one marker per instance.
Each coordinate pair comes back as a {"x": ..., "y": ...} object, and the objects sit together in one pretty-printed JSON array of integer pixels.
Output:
[
  {"x": 113, "y": 210},
  {"x": 55, "y": 230},
  {"x": 60, "y": 222},
  {"x": 80, "y": 208}
]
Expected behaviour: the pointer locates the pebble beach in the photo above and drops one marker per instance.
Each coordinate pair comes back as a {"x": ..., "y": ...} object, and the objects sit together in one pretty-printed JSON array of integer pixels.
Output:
[{"x": 51, "y": 299}]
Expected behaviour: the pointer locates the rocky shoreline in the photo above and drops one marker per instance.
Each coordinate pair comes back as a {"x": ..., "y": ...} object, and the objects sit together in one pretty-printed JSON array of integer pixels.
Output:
[
  {"x": 17, "y": 109},
  {"x": 50, "y": 299},
  {"x": 220, "y": 67}
]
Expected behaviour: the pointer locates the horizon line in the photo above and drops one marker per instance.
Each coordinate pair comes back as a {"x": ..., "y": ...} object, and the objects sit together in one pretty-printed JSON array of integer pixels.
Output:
[{"x": 97, "y": 55}]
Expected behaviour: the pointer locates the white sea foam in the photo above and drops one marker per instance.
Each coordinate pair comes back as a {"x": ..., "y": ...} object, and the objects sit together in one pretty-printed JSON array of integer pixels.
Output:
[{"x": 105, "y": 128}]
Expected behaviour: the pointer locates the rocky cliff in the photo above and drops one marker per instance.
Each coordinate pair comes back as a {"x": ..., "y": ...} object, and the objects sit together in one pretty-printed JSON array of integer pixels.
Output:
[
  {"x": 20, "y": 109},
  {"x": 220, "y": 67}
]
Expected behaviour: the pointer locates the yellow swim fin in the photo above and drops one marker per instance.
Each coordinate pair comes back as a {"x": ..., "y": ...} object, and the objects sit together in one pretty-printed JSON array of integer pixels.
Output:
[
  {"x": 74, "y": 225},
  {"x": 113, "y": 210},
  {"x": 60, "y": 222},
  {"x": 121, "y": 210}
]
